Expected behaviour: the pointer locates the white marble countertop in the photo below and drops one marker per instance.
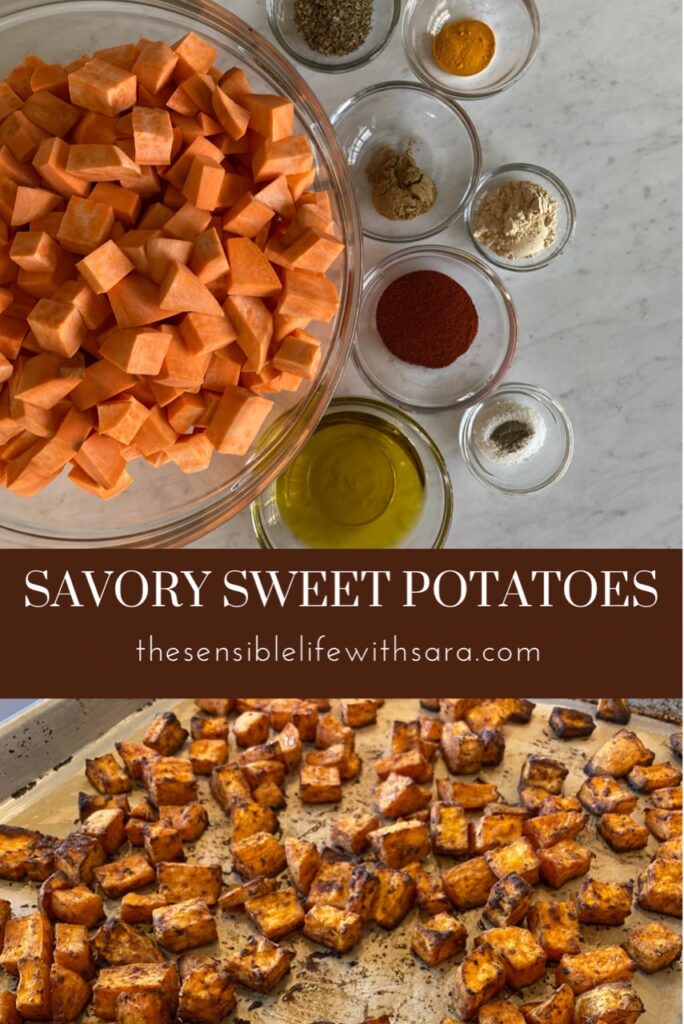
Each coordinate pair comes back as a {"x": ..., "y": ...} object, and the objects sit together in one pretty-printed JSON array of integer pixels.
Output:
[{"x": 599, "y": 327}]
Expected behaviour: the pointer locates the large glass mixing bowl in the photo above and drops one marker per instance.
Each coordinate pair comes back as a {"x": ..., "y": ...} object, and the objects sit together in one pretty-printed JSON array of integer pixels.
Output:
[{"x": 164, "y": 507}]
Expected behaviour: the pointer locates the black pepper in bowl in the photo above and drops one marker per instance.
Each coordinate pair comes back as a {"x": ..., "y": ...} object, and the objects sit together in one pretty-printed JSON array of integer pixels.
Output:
[{"x": 334, "y": 28}]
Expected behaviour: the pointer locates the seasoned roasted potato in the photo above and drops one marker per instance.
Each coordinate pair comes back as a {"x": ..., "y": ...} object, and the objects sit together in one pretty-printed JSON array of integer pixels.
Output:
[
  {"x": 549, "y": 829},
  {"x": 622, "y": 832},
  {"x": 468, "y": 885},
  {"x": 614, "y": 709},
  {"x": 234, "y": 898},
  {"x": 653, "y": 947},
  {"x": 461, "y": 749},
  {"x": 337, "y": 929},
  {"x": 260, "y": 964},
  {"x": 215, "y": 728},
  {"x": 523, "y": 958},
  {"x": 276, "y": 914},
  {"x": 216, "y": 706},
  {"x": 207, "y": 754},
  {"x": 134, "y": 1007},
  {"x": 228, "y": 785},
  {"x": 554, "y": 804},
  {"x": 351, "y": 831},
  {"x": 303, "y": 861},
  {"x": 401, "y": 844},
  {"x": 646, "y": 778},
  {"x": 189, "y": 820},
  {"x": 499, "y": 1012},
  {"x": 569, "y": 724},
  {"x": 260, "y": 854},
  {"x": 357, "y": 713},
  {"x": 111, "y": 982},
  {"x": 347, "y": 762},
  {"x": 583, "y": 971},
  {"x": 331, "y": 884},
  {"x": 189, "y": 881},
  {"x": 135, "y": 756},
  {"x": 604, "y": 902},
  {"x": 290, "y": 747},
  {"x": 430, "y": 895},
  {"x": 319, "y": 785},
  {"x": 78, "y": 855},
  {"x": 108, "y": 827},
  {"x": 659, "y": 887},
  {"x": 134, "y": 831},
  {"x": 125, "y": 875},
  {"x": 8, "y": 1008},
  {"x": 493, "y": 746},
  {"x": 508, "y": 901},
  {"x": 72, "y": 949},
  {"x": 269, "y": 751},
  {"x": 555, "y": 926},
  {"x": 248, "y": 817},
  {"x": 663, "y": 824},
  {"x": 454, "y": 709},
  {"x": 165, "y": 734},
  {"x": 33, "y": 990},
  {"x": 557, "y": 1009},
  {"x": 518, "y": 856},
  {"x": 603, "y": 795},
  {"x": 543, "y": 773},
  {"x": 406, "y": 737},
  {"x": 671, "y": 849},
  {"x": 479, "y": 976},
  {"x": 398, "y": 796},
  {"x": 395, "y": 897},
  {"x": 330, "y": 731},
  {"x": 116, "y": 943},
  {"x": 107, "y": 776},
  {"x": 486, "y": 714},
  {"x": 137, "y": 907},
  {"x": 26, "y": 937},
  {"x": 411, "y": 763},
  {"x": 532, "y": 798},
  {"x": 438, "y": 939},
  {"x": 364, "y": 886},
  {"x": 143, "y": 809},
  {"x": 207, "y": 994},
  {"x": 566, "y": 860},
  {"x": 668, "y": 798},
  {"x": 256, "y": 773},
  {"x": 170, "y": 780},
  {"x": 472, "y": 796},
  {"x": 494, "y": 830},
  {"x": 79, "y": 905},
  {"x": 430, "y": 734},
  {"x": 609, "y": 1004},
  {"x": 619, "y": 755},
  {"x": 251, "y": 728},
  {"x": 184, "y": 925},
  {"x": 162, "y": 842},
  {"x": 448, "y": 830}
]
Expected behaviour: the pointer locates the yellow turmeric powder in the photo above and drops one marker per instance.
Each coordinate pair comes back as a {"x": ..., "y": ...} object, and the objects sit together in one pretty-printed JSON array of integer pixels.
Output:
[{"x": 464, "y": 47}]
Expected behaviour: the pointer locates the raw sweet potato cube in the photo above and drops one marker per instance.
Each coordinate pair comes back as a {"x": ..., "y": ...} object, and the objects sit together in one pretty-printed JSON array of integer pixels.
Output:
[
  {"x": 208, "y": 260},
  {"x": 595, "y": 967},
  {"x": 85, "y": 226},
  {"x": 137, "y": 350},
  {"x": 154, "y": 65},
  {"x": 34, "y": 250},
  {"x": 250, "y": 271},
  {"x": 182, "y": 292},
  {"x": 232, "y": 116},
  {"x": 101, "y": 162},
  {"x": 170, "y": 780},
  {"x": 12, "y": 334},
  {"x": 184, "y": 925},
  {"x": 254, "y": 325},
  {"x": 269, "y": 116},
  {"x": 260, "y": 964},
  {"x": 72, "y": 949},
  {"x": 188, "y": 222},
  {"x": 203, "y": 183},
  {"x": 21, "y": 136},
  {"x": 50, "y": 113},
  {"x": 290, "y": 155},
  {"x": 468, "y": 885},
  {"x": 308, "y": 294},
  {"x": 9, "y": 101},
  {"x": 104, "y": 267},
  {"x": 152, "y": 136},
  {"x": 438, "y": 939},
  {"x": 50, "y": 161},
  {"x": 523, "y": 958},
  {"x": 29, "y": 935},
  {"x": 405, "y": 842},
  {"x": 125, "y": 875},
  {"x": 45, "y": 379},
  {"x": 479, "y": 976},
  {"x": 100, "y": 457},
  {"x": 300, "y": 354},
  {"x": 133, "y": 978},
  {"x": 237, "y": 420},
  {"x": 189, "y": 881},
  {"x": 57, "y": 326},
  {"x": 103, "y": 87},
  {"x": 195, "y": 56},
  {"x": 156, "y": 435}
]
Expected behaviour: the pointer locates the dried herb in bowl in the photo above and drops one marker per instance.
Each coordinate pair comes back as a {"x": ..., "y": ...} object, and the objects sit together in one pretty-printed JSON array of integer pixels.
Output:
[{"x": 334, "y": 28}]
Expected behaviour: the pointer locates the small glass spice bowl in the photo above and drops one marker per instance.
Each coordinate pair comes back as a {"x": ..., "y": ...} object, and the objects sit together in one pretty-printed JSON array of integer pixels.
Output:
[
  {"x": 565, "y": 213},
  {"x": 472, "y": 375},
  {"x": 282, "y": 21},
  {"x": 515, "y": 24},
  {"x": 542, "y": 469},
  {"x": 431, "y": 528},
  {"x": 442, "y": 139}
]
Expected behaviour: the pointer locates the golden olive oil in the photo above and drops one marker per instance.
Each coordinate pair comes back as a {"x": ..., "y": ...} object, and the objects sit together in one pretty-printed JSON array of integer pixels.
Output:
[{"x": 357, "y": 483}]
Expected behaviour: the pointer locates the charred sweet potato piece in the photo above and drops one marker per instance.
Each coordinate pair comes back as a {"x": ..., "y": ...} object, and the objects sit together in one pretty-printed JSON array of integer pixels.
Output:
[
  {"x": 508, "y": 901},
  {"x": 78, "y": 856},
  {"x": 351, "y": 831},
  {"x": 454, "y": 709},
  {"x": 430, "y": 895},
  {"x": 544, "y": 773},
  {"x": 337, "y": 929},
  {"x": 395, "y": 897},
  {"x": 260, "y": 854},
  {"x": 135, "y": 756},
  {"x": 438, "y": 939},
  {"x": 137, "y": 907},
  {"x": 234, "y": 898},
  {"x": 116, "y": 943},
  {"x": 461, "y": 748},
  {"x": 26, "y": 937},
  {"x": 676, "y": 743},
  {"x": 364, "y": 886},
  {"x": 671, "y": 849},
  {"x": 604, "y": 902},
  {"x": 548, "y": 829},
  {"x": 251, "y": 727},
  {"x": 358, "y": 712},
  {"x": 659, "y": 887},
  {"x": 401, "y": 844},
  {"x": 72, "y": 949},
  {"x": 479, "y": 976},
  {"x": 448, "y": 830},
  {"x": 569, "y": 724},
  {"x": 16, "y": 847},
  {"x": 493, "y": 746},
  {"x": 125, "y": 875},
  {"x": 290, "y": 747},
  {"x": 69, "y": 993},
  {"x": 619, "y": 755},
  {"x": 8, "y": 1008},
  {"x": 518, "y": 856},
  {"x": 398, "y": 796},
  {"x": 653, "y": 947},
  {"x": 663, "y": 824},
  {"x": 319, "y": 785},
  {"x": 523, "y": 958},
  {"x": 256, "y": 773},
  {"x": 609, "y": 1004},
  {"x": 107, "y": 776},
  {"x": 331, "y": 884},
  {"x": 189, "y": 820},
  {"x": 189, "y": 881},
  {"x": 556, "y": 1009},
  {"x": 184, "y": 925},
  {"x": 614, "y": 709},
  {"x": 207, "y": 994},
  {"x": 260, "y": 964},
  {"x": 473, "y": 796},
  {"x": 410, "y": 763},
  {"x": 492, "y": 831},
  {"x": 595, "y": 967},
  {"x": 555, "y": 804},
  {"x": 303, "y": 862},
  {"x": 216, "y": 706},
  {"x": 622, "y": 832},
  {"x": 603, "y": 795},
  {"x": 468, "y": 885},
  {"x": 107, "y": 826},
  {"x": 162, "y": 842},
  {"x": 33, "y": 990},
  {"x": 111, "y": 982},
  {"x": 276, "y": 914},
  {"x": 330, "y": 731},
  {"x": 170, "y": 780},
  {"x": 566, "y": 860},
  {"x": 555, "y": 926},
  {"x": 646, "y": 778},
  {"x": 165, "y": 734},
  {"x": 532, "y": 798},
  {"x": 79, "y": 905}
]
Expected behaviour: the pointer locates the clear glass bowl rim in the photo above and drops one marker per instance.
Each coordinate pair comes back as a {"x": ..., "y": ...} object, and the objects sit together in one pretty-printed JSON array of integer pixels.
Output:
[
  {"x": 523, "y": 168},
  {"x": 206, "y": 514},
  {"x": 470, "y": 128},
  {"x": 417, "y": 67},
  {"x": 531, "y": 391},
  {"x": 463, "y": 257},
  {"x": 344, "y": 65},
  {"x": 377, "y": 406}
]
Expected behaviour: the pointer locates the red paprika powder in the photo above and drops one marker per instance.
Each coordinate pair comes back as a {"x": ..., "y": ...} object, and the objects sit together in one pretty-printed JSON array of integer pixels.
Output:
[{"x": 426, "y": 318}]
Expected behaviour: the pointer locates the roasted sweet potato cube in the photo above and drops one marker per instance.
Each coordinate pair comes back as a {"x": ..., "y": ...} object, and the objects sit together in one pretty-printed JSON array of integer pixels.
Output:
[
  {"x": 406, "y": 737},
  {"x": 548, "y": 829},
  {"x": 508, "y": 901},
  {"x": 439, "y": 938},
  {"x": 671, "y": 849},
  {"x": 532, "y": 798},
  {"x": 260, "y": 854},
  {"x": 134, "y": 831},
  {"x": 248, "y": 817},
  {"x": 486, "y": 714},
  {"x": 214, "y": 728},
  {"x": 479, "y": 976},
  {"x": 358, "y": 712},
  {"x": 290, "y": 746},
  {"x": 468, "y": 885},
  {"x": 402, "y": 843},
  {"x": 653, "y": 947},
  {"x": 395, "y": 897},
  {"x": 79, "y": 905},
  {"x": 78, "y": 855},
  {"x": 216, "y": 706},
  {"x": 26, "y": 937},
  {"x": 337, "y": 929},
  {"x": 411, "y": 763},
  {"x": 108, "y": 827},
  {"x": 523, "y": 958},
  {"x": 351, "y": 831},
  {"x": 609, "y": 1004},
  {"x": 518, "y": 856},
  {"x": 72, "y": 949},
  {"x": 189, "y": 820},
  {"x": 258, "y": 772},
  {"x": 448, "y": 830},
  {"x": 553, "y": 804},
  {"x": 135, "y": 756},
  {"x": 207, "y": 754},
  {"x": 330, "y": 731},
  {"x": 472, "y": 796},
  {"x": 111, "y": 982},
  {"x": 595, "y": 967},
  {"x": 179, "y": 882},
  {"x": 499, "y": 1012},
  {"x": 268, "y": 794},
  {"x": 133, "y": 1007},
  {"x": 234, "y": 898},
  {"x": 117, "y": 943},
  {"x": 676, "y": 743},
  {"x": 346, "y": 761},
  {"x": 619, "y": 755},
  {"x": 363, "y": 890},
  {"x": 184, "y": 925},
  {"x": 303, "y": 861},
  {"x": 33, "y": 990},
  {"x": 494, "y": 830},
  {"x": 454, "y": 709},
  {"x": 663, "y": 824},
  {"x": 107, "y": 776},
  {"x": 251, "y": 727},
  {"x": 565, "y": 860},
  {"x": 207, "y": 993},
  {"x": 228, "y": 785},
  {"x": 8, "y": 1008},
  {"x": 260, "y": 964},
  {"x": 544, "y": 773},
  {"x": 622, "y": 832},
  {"x": 398, "y": 796},
  {"x": 556, "y": 1009},
  {"x": 331, "y": 884},
  {"x": 125, "y": 875},
  {"x": 430, "y": 895},
  {"x": 137, "y": 907},
  {"x": 669, "y": 798},
  {"x": 165, "y": 734},
  {"x": 162, "y": 842},
  {"x": 604, "y": 902},
  {"x": 555, "y": 926},
  {"x": 319, "y": 785},
  {"x": 170, "y": 780},
  {"x": 461, "y": 749},
  {"x": 493, "y": 746},
  {"x": 646, "y": 778},
  {"x": 614, "y": 709},
  {"x": 276, "y": 914},
  {"x": 659, "y": 887},
  {"x": 603, "y": 795},
  {"x": 569, "y": 724}
]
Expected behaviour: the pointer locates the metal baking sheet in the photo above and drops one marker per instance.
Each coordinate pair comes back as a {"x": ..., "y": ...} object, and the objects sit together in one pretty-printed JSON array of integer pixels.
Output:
[{"x": 380, "y": 975}]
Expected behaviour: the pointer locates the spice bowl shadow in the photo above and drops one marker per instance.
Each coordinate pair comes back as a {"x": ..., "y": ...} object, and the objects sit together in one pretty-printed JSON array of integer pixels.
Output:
[
  {"x": 384, "y": 20},
  {"x": 545, "y": 467},
  {"x": 471, "y": 376},
  {"x": 441, "y": 138},
  {"x": 515, "y": 24},
  {"x": 565, "y": 213}
]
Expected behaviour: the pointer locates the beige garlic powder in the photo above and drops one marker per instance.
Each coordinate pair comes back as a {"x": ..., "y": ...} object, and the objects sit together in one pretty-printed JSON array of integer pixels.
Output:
[{"x": 516, "y": 220}]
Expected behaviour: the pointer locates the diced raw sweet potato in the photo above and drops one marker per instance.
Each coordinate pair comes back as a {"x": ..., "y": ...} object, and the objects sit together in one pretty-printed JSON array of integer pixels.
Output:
[
  {"x": 102, "y": 87},
  {"x": 237, "y": 420}
]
